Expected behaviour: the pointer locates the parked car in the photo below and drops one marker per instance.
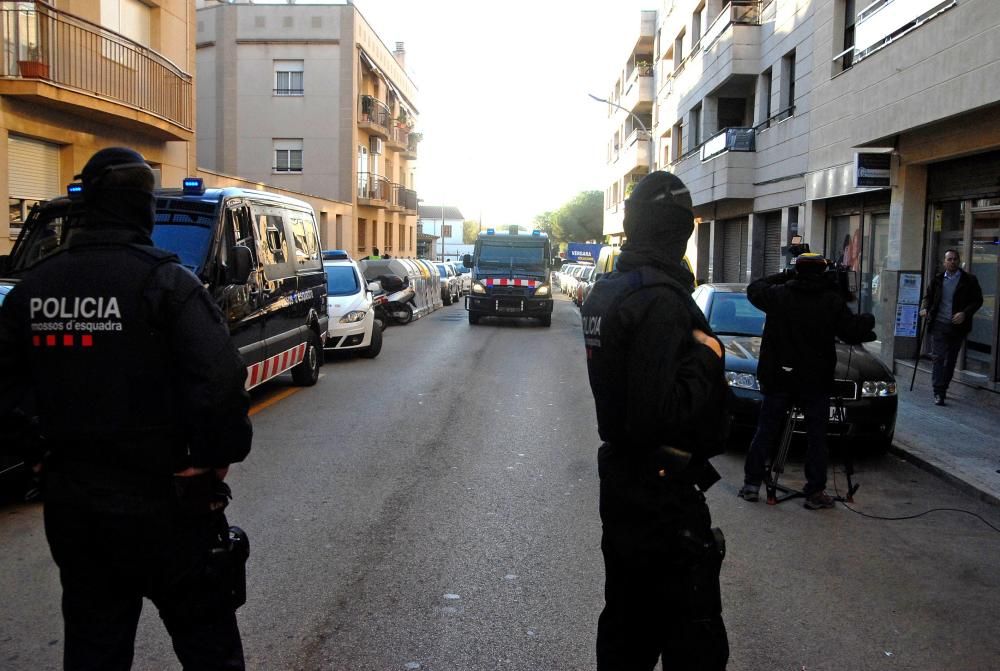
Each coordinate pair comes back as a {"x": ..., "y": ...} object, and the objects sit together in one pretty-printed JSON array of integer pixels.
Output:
[
  {"x": 451, "y": 285},
  {"x": 864, "y": 385},
  {"x": 568, "y": 286},
  {"x": 583, "y": 284},
  {"x": 562, "y": 273},
  {"x": 349, "y": 307},
  {"x": 465, "y": 278}
]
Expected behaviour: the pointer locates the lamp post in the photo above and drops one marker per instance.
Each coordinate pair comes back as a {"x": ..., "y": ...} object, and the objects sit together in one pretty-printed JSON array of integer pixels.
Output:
[
  {"x": 442, "y": 231},
  {"x": 652, "y": 148}
]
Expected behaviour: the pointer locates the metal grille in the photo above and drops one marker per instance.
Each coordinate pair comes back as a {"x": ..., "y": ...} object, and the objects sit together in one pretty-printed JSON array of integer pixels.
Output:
[
  {"x": 772, "y": 243},
  {"x": 734, "y": 248}
]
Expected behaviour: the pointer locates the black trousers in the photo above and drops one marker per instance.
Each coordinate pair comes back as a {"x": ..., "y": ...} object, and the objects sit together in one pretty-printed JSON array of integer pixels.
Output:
[
  {"x": 661, "y": 590},
  {"x": 946, "y": 342},
  {"x": 117, "y": 543}
]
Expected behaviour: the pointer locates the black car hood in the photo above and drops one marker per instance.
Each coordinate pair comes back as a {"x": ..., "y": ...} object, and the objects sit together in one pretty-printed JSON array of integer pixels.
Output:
[{"x": 743, "y": 351}]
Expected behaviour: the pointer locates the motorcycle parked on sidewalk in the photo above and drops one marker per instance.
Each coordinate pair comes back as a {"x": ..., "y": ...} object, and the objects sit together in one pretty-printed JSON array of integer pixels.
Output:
[{"x": 392, "y": 300}]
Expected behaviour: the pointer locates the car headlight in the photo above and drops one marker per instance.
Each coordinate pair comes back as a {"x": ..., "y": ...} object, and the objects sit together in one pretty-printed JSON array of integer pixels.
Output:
[
  {"x": 353, "y": 316},
  {"x": 478, "y": 288},
  {"x": 742, "y": 380},
  {"x": 543, "y": 290},
  {"x": 871, "y": 388}
]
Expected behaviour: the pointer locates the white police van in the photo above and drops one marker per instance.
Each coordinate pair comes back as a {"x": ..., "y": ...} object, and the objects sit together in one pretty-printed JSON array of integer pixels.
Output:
[{"x": 349, "y": 306}]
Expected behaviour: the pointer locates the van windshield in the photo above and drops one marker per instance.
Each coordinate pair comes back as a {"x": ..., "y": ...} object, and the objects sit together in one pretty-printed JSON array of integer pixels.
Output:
[
  {"x": 493, "y": 254},
  {"x": 341, "y": 281},
  {"x": 186, "y": 234}
]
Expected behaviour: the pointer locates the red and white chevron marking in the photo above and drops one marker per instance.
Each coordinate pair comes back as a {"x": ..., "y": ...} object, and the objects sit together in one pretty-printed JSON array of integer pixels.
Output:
[
  {"x": 507, "y": 282},
  {"x": 270, "y": 367}
]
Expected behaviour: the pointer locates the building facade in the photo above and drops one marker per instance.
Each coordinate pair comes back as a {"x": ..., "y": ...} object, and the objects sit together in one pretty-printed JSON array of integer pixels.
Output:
[
  {"x": 307, "y": 97},
  {"x": 764, "y": 109},
  {"x": 445, "y": 225},
  {"x": 79, "y": 75}
]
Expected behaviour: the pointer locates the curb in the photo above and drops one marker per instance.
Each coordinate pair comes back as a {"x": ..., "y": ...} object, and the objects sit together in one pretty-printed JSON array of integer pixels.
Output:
[{"x": 908, "y": 453}]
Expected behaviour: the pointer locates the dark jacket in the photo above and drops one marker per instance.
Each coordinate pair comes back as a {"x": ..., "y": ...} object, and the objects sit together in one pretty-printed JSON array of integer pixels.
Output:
[
  {"x": 127, "y": 358},
  {"x": 968, "y": 298},
  {"x": 653, "y": 383},
  {"x": 804, "y": 316}
]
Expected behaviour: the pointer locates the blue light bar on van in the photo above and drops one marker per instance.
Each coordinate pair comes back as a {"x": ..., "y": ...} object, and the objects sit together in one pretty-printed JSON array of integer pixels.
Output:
[
  {"x": 335, "y": 255},
  {"x": 490, "y": 231},
  {"x": 74, "y": 190},
  {"x": 193, "y": 186},
  {"x": 536, "y": 232}
]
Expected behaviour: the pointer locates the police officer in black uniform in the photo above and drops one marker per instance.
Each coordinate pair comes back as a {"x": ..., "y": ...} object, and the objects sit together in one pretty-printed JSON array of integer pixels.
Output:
[
  {"x": 141, "y": 403},
  {"x": 656, "y": 372}
]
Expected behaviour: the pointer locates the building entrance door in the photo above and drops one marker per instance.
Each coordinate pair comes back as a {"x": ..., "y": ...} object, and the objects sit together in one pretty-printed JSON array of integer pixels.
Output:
[{"x": 983, "y": 262}]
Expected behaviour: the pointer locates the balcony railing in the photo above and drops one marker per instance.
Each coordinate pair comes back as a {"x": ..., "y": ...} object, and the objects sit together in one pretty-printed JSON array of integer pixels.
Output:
[
  {"x": 403, "y": 197},
  {"x": 737, "y": 12},
  {"x": 41, "y": 42},
  {"x": 374, "y": 187},
  {"x": 883, "y": 21},
  {"x": 400, "y": 135},
  {"x": 374, "y": 111},
  {"x": 728, "y": 139}
]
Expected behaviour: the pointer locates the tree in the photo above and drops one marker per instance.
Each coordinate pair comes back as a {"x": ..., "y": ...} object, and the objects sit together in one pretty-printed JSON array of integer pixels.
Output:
[
  {"x": 579, "y": 220},
  {"x": 470, "y": 231}
]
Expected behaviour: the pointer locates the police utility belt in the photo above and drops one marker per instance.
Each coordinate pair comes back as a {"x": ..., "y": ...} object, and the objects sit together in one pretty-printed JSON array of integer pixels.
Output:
[{"x": 677, "y": 466}]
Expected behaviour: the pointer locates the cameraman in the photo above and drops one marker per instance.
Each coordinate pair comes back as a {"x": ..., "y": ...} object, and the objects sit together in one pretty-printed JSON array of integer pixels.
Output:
[
  {"x": 805, "y": 312},
  {"x": 657, "y": 376}
]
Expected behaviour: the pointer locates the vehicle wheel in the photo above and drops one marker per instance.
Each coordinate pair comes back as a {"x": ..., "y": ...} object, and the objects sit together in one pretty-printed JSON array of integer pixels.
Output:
[
  {"x": 307, "y": 372},
  {"x": 546, "y": 320},
  {"x": 375, "y": 346},
  {"x": 402, "y": 313},
  {"x": 446, "y": 298},
  {"x": 473, "y": 318}
]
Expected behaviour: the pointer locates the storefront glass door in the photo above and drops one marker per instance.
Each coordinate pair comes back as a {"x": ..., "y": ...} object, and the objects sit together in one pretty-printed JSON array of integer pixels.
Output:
[{"x": 983, "y": 259}]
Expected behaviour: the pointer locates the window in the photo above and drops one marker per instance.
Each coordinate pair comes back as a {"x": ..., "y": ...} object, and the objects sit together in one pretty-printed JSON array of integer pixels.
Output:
[
  {"x": 362, "y": 233},
  {"x": 846, "y": 56},
  {"x": 695, "y": 133},
  {"x": 765, "y": 94},
  {"x": 288, "y": 78},
  {"x": 402, "y": 234},
  {"x": 274, "y": 247},
  {"x": 788, "y": 85},
  {"x": 304, "y": 238},
  {"x": 679, "y": 50},
  {"x": 677, "y": 140},
  {"x": 130, "y": 18},
  {"x": 288, "y": 156},
  {"x": 446, "y": 230},
  {"x": 698, "y": 23}
]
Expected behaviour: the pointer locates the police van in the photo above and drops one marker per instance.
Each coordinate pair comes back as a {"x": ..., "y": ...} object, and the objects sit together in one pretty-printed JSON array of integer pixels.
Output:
[{"x": 258, "y": 254}]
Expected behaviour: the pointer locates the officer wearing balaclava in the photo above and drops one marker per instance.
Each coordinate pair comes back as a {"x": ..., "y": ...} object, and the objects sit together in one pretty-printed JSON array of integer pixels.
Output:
[
  {"x": 656, "y": 372},
  {"x": 140, "y": 399}
]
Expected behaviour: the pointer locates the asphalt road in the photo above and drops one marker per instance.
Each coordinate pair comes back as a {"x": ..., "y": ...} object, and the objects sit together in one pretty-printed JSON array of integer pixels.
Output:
[{"x": 436, "y": 509}]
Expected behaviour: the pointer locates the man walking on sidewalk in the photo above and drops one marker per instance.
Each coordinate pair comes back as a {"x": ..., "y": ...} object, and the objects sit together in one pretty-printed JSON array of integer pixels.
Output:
[{"x": 953, "y": 297}]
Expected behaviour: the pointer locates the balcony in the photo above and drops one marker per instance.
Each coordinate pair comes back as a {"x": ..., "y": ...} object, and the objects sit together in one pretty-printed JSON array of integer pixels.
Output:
[
  {"x": 399, "y": 137},
  {"x": 736, "y": 13},
  {"x": 410, "y": 153},
  {"x": 403, "y": 199},
  {"x": 374, "y": 190},
  {"x": 635, "y": 154},
  {"x": 729, "y": 139},
  {"x": 56, "y": 59},
  {"x": 640, "y": 90},
  {"x": 373, "y": 116},
  {"x": 884, "y": 21}
]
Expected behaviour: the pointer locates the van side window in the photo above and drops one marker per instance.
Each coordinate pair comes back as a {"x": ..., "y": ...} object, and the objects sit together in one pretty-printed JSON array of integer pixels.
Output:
[
  {"x": 304, "y": 239},
  {"x": 237, "y": 230},
  {"x": 272, "y": 232}
]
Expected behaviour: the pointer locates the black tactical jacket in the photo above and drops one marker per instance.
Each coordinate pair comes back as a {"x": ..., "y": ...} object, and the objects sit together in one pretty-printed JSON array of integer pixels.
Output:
[
  {"x": 653, "y": 383},
  {"x": 127, "y": 359},
  {"x": 804, "y": 317}
]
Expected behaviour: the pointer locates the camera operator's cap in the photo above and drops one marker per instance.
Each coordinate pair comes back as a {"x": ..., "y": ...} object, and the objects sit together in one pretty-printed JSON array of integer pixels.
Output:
[
  {"x": 661, "y": 187},
  {"x": 107, "y": 160},
  {"x": 810, "y": 263}
]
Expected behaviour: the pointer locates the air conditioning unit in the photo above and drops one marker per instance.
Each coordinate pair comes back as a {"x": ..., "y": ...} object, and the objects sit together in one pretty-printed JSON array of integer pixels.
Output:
[{"x": 375, "y": 145}]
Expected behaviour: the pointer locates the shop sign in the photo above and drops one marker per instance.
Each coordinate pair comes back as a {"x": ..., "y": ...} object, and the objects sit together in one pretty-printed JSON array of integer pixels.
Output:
[{"x": 872, "y": 169}]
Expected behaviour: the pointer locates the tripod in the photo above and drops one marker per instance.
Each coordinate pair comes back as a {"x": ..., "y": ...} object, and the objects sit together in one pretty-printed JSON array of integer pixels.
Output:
[{"x": 777, "y": 466}]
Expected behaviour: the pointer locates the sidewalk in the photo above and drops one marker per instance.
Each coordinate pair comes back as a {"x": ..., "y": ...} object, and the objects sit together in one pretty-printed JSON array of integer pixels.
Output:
[{"x": 959, "y": 442}]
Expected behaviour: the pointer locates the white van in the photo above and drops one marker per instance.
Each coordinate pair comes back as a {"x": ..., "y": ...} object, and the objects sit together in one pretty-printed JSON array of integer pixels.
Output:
[{"x": 349, "y": 306}]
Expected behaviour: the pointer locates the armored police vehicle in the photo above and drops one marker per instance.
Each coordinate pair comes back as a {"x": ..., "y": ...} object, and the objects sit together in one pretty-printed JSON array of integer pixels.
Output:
[
  {"x": 257, "y": 253},
  {"x": 510, "y": 276}
]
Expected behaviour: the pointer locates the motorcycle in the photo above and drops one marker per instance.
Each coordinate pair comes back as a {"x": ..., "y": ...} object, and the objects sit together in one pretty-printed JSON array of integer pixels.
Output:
[{"x": 394, "y": 307}]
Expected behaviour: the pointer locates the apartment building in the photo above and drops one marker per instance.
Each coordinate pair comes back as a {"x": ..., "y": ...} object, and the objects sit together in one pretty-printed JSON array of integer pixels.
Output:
[
  {"x": 309, "y": 98},
  {"x": 870, "y": 130},
  {"x": 79, "y": 75}
]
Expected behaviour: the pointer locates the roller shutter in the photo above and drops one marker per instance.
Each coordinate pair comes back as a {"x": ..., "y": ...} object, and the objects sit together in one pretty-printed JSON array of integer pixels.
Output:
[
  {"x": 772, "y": 243},
  {"x": 33, "y": 169},
  {"x": 734, "y": 250}
]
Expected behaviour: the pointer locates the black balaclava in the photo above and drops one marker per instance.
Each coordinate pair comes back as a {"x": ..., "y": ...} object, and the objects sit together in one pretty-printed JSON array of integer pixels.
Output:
[
  {"x": 658, "y": 222},
  {"x": 130, "y": 209}
]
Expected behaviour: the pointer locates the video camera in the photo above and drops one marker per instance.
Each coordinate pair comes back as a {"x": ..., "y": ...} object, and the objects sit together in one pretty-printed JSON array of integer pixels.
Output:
[{"x": 841, "y": 278}]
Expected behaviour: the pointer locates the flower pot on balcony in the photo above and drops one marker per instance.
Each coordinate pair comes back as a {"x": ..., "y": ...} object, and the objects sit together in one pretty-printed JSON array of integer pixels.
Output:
[{"x": 35, "y": 69}]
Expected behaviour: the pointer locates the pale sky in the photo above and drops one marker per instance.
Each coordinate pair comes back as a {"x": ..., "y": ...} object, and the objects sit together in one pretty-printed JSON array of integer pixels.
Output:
[{"x": 509, "y": 131}]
